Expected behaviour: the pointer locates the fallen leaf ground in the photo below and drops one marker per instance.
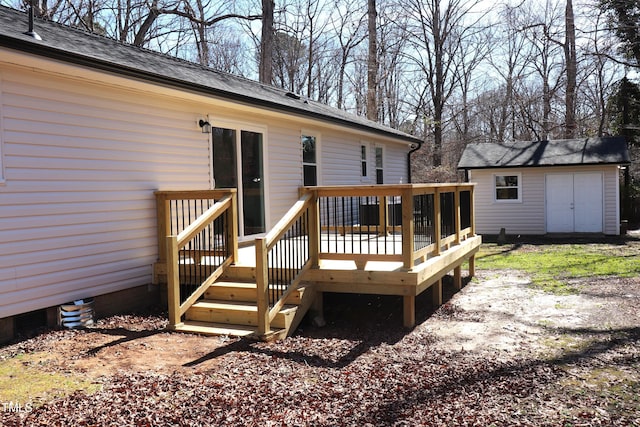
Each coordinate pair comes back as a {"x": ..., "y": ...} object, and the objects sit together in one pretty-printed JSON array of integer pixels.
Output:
[{"x": 499, "y": 352}]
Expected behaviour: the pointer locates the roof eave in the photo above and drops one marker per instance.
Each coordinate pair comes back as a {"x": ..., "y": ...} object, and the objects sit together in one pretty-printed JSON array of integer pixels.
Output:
[
  {"x": 111, "y": 67},
  {"x": 542, "y": 166}
]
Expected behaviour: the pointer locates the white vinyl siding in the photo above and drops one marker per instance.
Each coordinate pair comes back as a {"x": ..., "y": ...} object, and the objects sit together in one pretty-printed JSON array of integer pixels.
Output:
[
  {"x": 528, "y": 217},
  {"x": 1, "y": 135},
  {"x": 77, "y": 214}
]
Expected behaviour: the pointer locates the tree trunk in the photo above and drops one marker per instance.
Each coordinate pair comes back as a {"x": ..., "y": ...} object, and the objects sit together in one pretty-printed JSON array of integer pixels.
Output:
[
  {"x": 572, "y": 69},
  {"x": 266, "y": 42},
  {"x": 372, "y": 63}
]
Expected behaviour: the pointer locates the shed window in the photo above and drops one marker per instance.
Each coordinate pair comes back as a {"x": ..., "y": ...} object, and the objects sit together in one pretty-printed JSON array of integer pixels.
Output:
[
  {"x": 309, "y": 161},
  {"x": 508, "y": 187}
]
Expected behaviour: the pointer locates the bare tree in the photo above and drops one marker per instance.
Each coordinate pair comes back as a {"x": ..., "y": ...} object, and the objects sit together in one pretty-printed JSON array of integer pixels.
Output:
[
  {"x": 372, "y": 61},
  {"x": 265, "y": 65},
  {"x": 572, "y": 70},
  {"x": 347, "y": 24},
  {"x": 437, "y": 35}
]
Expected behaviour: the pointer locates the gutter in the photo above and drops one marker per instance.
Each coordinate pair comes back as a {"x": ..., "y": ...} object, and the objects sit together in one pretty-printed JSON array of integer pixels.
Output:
[{"x": 413, "y": 150}]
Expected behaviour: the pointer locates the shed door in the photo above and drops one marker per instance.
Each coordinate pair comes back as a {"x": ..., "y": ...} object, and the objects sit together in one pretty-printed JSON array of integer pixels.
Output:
[{"x": 574, "y": 203}]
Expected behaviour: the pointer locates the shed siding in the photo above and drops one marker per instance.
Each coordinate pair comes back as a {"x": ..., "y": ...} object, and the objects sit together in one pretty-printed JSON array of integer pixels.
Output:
[
  {"x": 524, "y": 217},
  {"x": 529, "y": 215}
]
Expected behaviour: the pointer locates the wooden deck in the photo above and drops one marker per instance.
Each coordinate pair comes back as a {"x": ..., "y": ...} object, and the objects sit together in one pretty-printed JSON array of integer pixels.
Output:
[{"x": 386, "y": 240}]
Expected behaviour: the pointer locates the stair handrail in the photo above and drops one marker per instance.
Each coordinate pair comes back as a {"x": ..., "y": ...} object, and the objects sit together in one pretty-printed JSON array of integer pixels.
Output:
[
  {"x": 176, "y": 243},
  {"x": 265, "y": 244}
]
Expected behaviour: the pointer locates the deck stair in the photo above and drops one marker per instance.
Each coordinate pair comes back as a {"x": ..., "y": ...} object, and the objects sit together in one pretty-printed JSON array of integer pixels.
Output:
[{"x": 229, "y": 307}]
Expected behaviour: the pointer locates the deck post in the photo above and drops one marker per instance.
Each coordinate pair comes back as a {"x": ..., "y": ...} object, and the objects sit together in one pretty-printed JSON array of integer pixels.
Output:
[
  {"x": 383, "y": 218},
  {"x": 409, "y": 311},
  {"x": 314, "y": 231},
  {"x": 262, "y": 281},
  {"x": 457, "y": 278},
  {"x": 232, "y": 230},
  {"x": 407, "y": 229},
  {"x": 173, "y": 281},
  {"x": 437, "y": 222},
  {"x": 457, "y": 214},
  {"x": 472, "y": 214},
  {"x": 436, "y": 293},
  {"x": 472, "y": 265},
  {"x": 163, "y": 209}
]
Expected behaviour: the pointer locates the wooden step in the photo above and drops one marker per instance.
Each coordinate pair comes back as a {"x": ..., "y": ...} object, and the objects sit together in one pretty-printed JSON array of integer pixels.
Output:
[
  {"x": 217, "y": 329},
  {"x": 236, "y": 313},
  {"x": 228, "y": 290}
]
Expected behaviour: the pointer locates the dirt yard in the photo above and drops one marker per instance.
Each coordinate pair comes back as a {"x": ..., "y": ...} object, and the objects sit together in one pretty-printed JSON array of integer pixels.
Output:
[{"x": 500, "y": 352}]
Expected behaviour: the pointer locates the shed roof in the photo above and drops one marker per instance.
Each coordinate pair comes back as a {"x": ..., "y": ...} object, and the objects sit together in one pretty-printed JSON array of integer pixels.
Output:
[
  {"x": 561, "y": 152},
  {"x": 82, "y": 48}
]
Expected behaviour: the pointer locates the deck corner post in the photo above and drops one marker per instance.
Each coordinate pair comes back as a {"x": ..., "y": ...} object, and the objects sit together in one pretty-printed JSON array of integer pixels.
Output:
[
  {"x": 457, "y": 278},
  {"x": 173, "y": 281},
  {"x": 262, "y": 281},
  {"x": 436, "y": 293},
  {"x": 314, "y": 231},
  {"x": 407, "y": 228},
  {"x": 409, "y": 311}
]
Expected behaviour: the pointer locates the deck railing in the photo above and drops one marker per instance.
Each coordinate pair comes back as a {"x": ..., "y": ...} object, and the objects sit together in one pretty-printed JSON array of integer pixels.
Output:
[
  {"x": 197, "y": 240},
  {"x": 405, "y": 223},
  {"x": 281, "y": 258}
]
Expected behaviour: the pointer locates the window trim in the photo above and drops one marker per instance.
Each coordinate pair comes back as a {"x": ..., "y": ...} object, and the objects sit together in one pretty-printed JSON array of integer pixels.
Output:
[
  {"x": 364, "y": 162},
  {"x": 518, "y": 187},
  {"x": 316, "y": 135},
  {"x": 375, "y": 162}
]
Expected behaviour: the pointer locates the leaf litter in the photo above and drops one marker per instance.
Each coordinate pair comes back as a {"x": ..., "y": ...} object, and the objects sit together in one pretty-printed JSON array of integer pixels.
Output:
[{"x": 497, "y": 353}]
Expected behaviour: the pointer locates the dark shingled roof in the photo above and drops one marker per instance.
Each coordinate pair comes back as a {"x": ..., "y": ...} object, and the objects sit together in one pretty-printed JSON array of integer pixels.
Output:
[
  {"x": 78, "y": 47},
  {"x": 561, "y": 152}
]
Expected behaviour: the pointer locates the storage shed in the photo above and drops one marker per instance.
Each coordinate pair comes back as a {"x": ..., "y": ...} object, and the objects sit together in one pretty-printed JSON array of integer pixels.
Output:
[{"x": 540, "y": 187}]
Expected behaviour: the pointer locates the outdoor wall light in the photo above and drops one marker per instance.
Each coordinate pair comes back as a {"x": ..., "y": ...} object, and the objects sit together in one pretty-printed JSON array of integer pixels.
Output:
[{"x": 205, "y": 125}]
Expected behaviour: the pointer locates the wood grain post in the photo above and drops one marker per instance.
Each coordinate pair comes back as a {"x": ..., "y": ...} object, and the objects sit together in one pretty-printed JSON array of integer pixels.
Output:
[
  {"x": 457, "y": 278},
  {"x": 472, "y": 266},
  {"x": 457, "y": 214},
  {"x": 232, "y": 216},
  {"x": 314, "y": 231},
  {"x": 436, "y": 293},
  {"x": 437, "y": 222},
  {"x": 472, "y": 213},
  {"x": 383, "y": 218},
  {"x": 173, "y": 281},
  {"x": 163, "y": 209},
  {"x": 409, "y": 311},
  {"x": 408, "y": 227},
  {"x": 262, "y": 284}
]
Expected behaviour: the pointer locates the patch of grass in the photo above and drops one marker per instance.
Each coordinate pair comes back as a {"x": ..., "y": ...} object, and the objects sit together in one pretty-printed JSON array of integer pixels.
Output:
[
  {"x": 552, "y": 266},
  {"x": 26, "y": 382}
]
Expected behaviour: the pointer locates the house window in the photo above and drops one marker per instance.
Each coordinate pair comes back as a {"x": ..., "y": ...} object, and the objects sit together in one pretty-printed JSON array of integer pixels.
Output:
[
  {"x": 379, "y": 165},
  {"x": 363, "y": 161},
  {"x": 507, "y": 187},
  {"x": 309, "y": 160}
]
